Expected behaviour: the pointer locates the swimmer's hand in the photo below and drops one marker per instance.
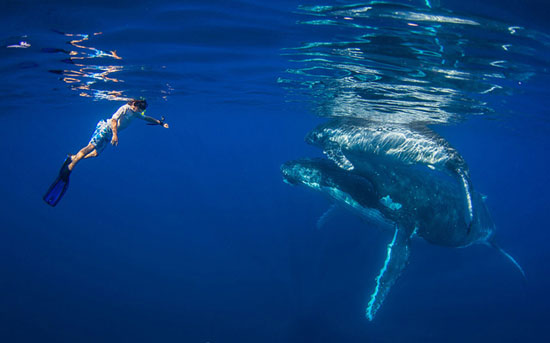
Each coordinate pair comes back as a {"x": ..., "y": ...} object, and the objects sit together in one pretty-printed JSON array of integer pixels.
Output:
[
  {"x": 153, "y": 121},
  {"x": 114, "y": 140},
  {"x": 161, "y": 122}
]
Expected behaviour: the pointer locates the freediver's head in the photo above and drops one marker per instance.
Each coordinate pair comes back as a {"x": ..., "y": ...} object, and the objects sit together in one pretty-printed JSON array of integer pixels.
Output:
[{"x": 140, "y": 104}]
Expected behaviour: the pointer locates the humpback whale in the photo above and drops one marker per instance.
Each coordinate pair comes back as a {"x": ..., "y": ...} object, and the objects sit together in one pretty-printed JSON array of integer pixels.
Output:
[
  {"x": 346, "y": 140},
  {"x": 403, "y": 199}
]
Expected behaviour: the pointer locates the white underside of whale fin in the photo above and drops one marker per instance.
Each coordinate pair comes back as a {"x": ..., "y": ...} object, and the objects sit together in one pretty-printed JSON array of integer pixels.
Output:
[
  {"x": 508, "y": 256},
  {"x": 466, "y": 189},
  {"x": 396, "y": 260},
  {"x": 335, "y": 154},
  {"x": 325, "y": 216}
]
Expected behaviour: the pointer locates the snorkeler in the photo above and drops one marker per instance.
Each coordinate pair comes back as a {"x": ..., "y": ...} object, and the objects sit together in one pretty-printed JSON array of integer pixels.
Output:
[{"x": 106, "y": 131}]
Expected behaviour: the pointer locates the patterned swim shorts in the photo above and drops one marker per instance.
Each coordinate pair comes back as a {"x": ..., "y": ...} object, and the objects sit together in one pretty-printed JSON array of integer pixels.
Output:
[{"x": 102, "y": 135}]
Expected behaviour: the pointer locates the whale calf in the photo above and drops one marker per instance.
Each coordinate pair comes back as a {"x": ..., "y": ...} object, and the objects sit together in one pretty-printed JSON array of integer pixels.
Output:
[
  {"x": 407, "y": 201},
  {"x": 348, "y": 140}
]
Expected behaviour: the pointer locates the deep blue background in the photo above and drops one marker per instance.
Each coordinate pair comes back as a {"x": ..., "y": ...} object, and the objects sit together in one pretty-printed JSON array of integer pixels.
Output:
[{"x": 190, "y": 235}]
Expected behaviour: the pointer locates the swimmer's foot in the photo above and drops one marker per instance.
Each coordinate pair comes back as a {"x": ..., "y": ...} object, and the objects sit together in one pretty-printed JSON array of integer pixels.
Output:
[
  {"x": 65, "y": 170},
  {"x": 71, "y": 162}
]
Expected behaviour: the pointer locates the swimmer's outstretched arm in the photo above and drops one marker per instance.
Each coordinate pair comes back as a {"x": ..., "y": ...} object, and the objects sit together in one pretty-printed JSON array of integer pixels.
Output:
[{"x": 154, "y": 121}]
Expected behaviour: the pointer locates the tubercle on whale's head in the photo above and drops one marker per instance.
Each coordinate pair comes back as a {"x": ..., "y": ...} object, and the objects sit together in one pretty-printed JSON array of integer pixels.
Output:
[
  {"x": 314, "y": 137},
  {"x": 288, "y": 178},
  {"x": 296, "y": 173},
  {"x": 289, "y": 173}
]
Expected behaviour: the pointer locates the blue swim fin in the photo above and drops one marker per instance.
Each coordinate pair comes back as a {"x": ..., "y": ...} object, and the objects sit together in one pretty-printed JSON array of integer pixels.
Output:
[
  {"x": 56, "y": 191},
  {"x": 59, "y": 186}
]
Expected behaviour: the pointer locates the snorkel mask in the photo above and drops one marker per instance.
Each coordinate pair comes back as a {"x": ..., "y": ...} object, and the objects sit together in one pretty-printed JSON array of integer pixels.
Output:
[{"x": 141, "y": 104}]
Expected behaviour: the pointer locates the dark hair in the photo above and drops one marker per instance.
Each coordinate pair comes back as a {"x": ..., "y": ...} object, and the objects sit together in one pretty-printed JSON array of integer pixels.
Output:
[{"x": 141, "y": 103}]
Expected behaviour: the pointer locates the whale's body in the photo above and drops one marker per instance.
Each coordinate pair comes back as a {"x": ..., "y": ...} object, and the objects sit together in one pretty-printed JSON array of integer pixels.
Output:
[
  {"x": 349, "y": 141},
  {"x": 408, "y": 143},
  {"x": 403, "y": 199},
  {"x": 413, "y": 199}
]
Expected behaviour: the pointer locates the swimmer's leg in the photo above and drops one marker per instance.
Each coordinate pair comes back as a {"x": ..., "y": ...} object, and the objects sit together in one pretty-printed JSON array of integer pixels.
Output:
[
  {"x": 83, "y": 153},
  {"x": 91, "y": 154}
]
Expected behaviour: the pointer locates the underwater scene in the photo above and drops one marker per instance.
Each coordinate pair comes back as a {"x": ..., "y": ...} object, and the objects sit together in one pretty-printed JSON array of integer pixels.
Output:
[{"x": 285, "y": 171}]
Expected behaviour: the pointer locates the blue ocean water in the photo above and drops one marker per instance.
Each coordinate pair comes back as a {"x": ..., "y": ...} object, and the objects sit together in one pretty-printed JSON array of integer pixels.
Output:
[{"x": 190, "y": 235}]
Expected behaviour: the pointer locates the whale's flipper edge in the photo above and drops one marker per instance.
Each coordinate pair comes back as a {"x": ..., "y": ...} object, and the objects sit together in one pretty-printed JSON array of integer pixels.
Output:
[
  {"x": 334, "y": 153},
  {"x": 325, "y": 216},
  {"x": 396, "y": 260},
  {"x": 508, "y": 256},
  {"x": 467, "y": 190}
]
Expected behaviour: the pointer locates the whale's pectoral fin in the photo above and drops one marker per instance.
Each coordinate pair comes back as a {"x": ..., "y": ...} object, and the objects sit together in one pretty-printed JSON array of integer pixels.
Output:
[
  {"x": 507, "y": 255},
  {"x": 323, "y": 219},
  {"x": 396, "y": 260},
  {"x": 467, "y": 190},
  {"x": 334, "y": 153}
]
